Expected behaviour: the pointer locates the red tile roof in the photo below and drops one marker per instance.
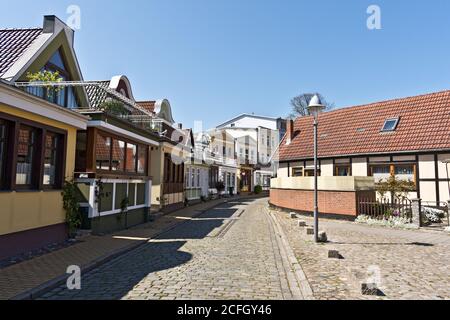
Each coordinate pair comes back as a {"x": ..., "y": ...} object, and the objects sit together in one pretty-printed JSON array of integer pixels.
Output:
[
  {"x": 424, "y": 126},
  {"x": 13, "y": 44},
  {"x": 147, "y": 105}
]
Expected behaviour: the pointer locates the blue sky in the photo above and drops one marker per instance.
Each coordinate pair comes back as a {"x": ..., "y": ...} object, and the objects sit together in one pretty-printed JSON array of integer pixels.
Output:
[{"x": 214, "y": 59}]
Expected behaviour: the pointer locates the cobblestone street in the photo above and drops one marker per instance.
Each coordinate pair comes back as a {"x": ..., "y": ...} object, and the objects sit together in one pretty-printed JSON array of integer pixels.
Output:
[
  {"x": 243, "y": 250},
  {"x": 229, "y": 252}
]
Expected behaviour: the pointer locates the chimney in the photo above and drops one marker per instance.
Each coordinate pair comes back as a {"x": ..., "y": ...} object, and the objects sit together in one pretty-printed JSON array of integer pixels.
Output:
[
  {"x": 289, "y": 131},
  {"x": 54, "y": 25},
  {"x": 180, "y": 126}
]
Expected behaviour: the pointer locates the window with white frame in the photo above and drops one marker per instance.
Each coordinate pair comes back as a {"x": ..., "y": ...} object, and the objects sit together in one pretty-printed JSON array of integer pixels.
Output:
[{"x": 187, "y": 177}]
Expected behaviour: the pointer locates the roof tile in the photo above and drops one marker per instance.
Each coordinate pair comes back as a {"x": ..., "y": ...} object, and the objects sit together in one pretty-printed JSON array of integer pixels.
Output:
[
  {"x": 424, "y": 125},
  {"x": 13, "y": 44}
]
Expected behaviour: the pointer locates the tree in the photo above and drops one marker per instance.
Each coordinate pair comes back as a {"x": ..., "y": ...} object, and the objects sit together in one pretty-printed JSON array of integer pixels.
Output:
[
  {"x": 300, "y": 104},
  {"x": 398, "y": 189}
]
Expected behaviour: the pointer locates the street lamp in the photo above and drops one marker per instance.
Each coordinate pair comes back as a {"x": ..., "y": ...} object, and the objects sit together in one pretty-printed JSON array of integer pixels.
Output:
[{"x": 314, "y": 108}]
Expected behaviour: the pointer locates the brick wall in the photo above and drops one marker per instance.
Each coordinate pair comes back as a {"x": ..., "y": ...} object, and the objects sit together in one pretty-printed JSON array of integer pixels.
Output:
[{"x": 330, "y": 202}]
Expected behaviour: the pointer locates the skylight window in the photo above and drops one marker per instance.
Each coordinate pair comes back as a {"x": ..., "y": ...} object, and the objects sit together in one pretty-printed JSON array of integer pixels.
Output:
[{"x": 390, "y": 125}]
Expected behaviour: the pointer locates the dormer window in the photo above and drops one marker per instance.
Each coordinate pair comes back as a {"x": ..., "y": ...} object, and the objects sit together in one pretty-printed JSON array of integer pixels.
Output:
[{"x": 390, "y": 125}]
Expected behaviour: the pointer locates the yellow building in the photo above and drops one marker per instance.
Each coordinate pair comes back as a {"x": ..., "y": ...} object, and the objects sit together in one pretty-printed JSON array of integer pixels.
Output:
[
  {"x": 37, "y": 136},
  {"x": 167, "y": 166}
]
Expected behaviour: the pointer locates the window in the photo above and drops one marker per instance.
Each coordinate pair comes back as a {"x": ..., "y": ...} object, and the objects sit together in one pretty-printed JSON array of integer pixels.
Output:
[
  {"x": 52, "y": 154},
  {"x": 198, "y": 178},
  {"x": 399, "y": 170},
  {"x": 258, "y": 179},
  {"x": 106, "y": 200},
  {"x": 63, "y": 96},
  {"x": 380, "y": 172},
  {"x": 390, "y": 125},
  {"x": 131, "y": 194},
  {"x": 118, "y": 155},
  {"x": 310, "y": 173},
  {"x": 142, "y": 159},
  {"x": 193, "y": 178},
  {"x": 342, "y": 171},
  {"x": 81, "y": 151},
  {"x": 120, "y": 195},
  {"x": 268, "y": 141},
  {"x": 131, "y": 157},
  {"x": 37, "y": 163},
  {"x": 26, "y": 153},
  {"x": 103, "y": 153},
  {"x": 57, "y": 60},
  {"x": 297, "y": 172},
  {"x": 187, "y": 177},
  {"x": 266, "y": 181},
  {"x": 405, "y": 172},
  {"x": 3, "y": 151},
  {"x": 140, "y": 194}
]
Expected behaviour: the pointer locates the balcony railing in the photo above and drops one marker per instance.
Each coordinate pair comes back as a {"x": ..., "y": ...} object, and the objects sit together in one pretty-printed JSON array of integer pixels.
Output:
[{"x": 101, "y": 98}]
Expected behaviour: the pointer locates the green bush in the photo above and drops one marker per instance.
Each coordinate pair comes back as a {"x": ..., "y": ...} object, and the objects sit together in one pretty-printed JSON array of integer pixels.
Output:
[{"x": 258, "y": 189}]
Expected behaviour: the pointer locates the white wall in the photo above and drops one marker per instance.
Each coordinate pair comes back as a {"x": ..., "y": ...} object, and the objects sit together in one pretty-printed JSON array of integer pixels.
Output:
[
  {"x": 359, "y": 167},
  {"x": 427, "y": 167},
  {"x": 326, "y": 168},
  {"x": 282, "y": 171}
]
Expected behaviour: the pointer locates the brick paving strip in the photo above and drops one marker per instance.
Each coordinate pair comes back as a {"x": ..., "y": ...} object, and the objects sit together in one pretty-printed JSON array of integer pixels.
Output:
[
  {"x": 32, "y": 278},
  {"x": 298, "y": 283}
]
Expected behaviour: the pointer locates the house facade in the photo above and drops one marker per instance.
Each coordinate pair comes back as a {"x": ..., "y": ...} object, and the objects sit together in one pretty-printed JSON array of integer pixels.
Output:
[
  {"x": 257, "y": 139},
  {"x": 222, "y": 157},
  {"x": 407, "y": 138},
  {"x": 112, "y": 168},
  {"x": 168, "y": 159},
  {"x": 37, "y": 136}
]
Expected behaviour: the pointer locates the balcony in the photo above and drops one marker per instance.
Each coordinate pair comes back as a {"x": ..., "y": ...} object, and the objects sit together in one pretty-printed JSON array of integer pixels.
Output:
[{"x": 101, "y": 98}]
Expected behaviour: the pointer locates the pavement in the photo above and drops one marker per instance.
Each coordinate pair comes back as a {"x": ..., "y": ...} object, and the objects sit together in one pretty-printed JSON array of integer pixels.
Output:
[
  {"x": 30, "y": 278},
  {"x": 405, "y": 264},
  {"x": 229, "y": 252}
]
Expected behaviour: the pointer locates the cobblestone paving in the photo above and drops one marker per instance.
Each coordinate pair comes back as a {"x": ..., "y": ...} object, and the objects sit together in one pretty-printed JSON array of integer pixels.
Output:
[
  {"x": 227, "y": 253},
  {"x": 411, "y": 264}
]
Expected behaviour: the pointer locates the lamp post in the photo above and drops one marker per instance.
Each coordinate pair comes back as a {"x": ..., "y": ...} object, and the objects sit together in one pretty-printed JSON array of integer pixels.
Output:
[{"x": 314, "y": 108}]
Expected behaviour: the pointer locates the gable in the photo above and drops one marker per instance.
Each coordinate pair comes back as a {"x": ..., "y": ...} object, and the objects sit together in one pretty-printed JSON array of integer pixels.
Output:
[{"x": 24, "y": 51}]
